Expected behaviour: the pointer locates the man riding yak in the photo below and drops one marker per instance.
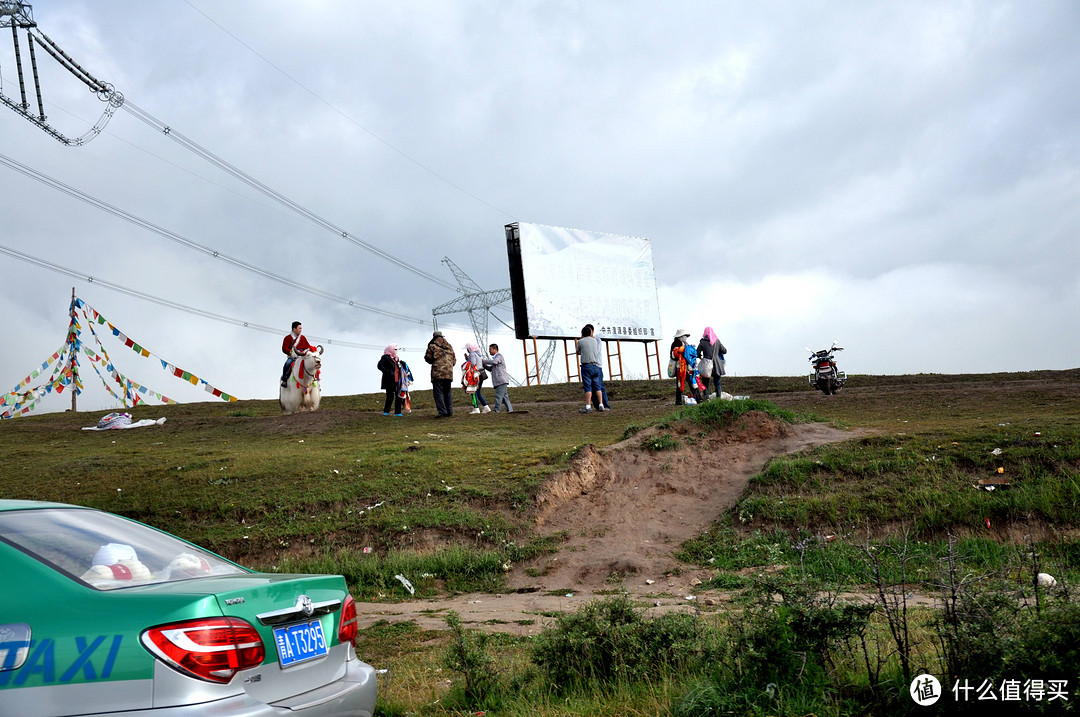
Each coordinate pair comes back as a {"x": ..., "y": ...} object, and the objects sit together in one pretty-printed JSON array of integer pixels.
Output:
[{"x": 294, "y": 345}]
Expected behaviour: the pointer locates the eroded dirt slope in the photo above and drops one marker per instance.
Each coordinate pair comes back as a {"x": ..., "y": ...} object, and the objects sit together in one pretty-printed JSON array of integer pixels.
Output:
[{"x": 625, "y": 511}]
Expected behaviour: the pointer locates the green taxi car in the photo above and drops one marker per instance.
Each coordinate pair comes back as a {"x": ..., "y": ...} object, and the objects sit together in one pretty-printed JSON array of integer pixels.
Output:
[{"x": 102, "y": 615}]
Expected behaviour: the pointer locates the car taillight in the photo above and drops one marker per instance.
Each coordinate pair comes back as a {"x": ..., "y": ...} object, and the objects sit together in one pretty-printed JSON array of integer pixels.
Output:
[
  {"x": 347, "y": 625},
  {"x": 212, "y": 649}
]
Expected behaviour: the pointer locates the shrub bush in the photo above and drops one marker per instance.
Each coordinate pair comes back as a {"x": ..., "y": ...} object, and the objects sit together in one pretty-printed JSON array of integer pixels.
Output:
[
  {"x": 467, "y": 656},
  {"x": 610, "y": 640}
]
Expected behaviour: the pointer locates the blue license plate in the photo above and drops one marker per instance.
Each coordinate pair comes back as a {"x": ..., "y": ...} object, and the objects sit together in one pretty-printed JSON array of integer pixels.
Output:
[{"x": 299, "y": 643}]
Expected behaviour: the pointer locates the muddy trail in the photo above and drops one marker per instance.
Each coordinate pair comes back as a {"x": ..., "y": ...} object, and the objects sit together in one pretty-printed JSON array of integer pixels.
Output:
[{"x": 625, "y": 510}]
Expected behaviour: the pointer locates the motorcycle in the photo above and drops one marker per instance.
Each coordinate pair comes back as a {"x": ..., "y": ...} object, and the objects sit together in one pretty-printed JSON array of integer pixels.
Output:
[{"x": 826, "y": 377}]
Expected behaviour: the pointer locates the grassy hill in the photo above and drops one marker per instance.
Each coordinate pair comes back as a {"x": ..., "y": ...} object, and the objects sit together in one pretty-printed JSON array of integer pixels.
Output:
[
  {"x": 891, "y": 512},
  {"x": 257, "y": 486}
]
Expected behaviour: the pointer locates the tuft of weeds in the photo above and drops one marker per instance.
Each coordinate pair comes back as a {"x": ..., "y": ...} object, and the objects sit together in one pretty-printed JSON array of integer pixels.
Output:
[
  {"x": 723, "y": 413},
  {"x": 371, "y": 576},
  {"x": 661, "y": 442},
  {"x": 467, "y": 656},
  {"x": 610, "y": 641}
]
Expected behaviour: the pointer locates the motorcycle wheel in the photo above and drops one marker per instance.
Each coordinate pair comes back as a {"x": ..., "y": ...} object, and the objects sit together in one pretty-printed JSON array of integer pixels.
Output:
[{"x": 830, "y": 386}]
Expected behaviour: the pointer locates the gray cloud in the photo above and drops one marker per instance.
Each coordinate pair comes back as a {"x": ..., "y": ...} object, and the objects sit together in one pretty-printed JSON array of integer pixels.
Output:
[{"x": 912, "y": 168}]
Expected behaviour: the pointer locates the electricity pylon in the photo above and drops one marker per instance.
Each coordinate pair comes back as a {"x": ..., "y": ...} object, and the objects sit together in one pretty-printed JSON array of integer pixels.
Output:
[
  {"x": 474, "y": 301},
  {"x": 477, "y": 303}
]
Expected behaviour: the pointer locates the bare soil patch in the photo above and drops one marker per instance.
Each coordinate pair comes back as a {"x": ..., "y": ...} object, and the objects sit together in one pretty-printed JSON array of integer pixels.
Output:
[{"x": 625, "y": 511}]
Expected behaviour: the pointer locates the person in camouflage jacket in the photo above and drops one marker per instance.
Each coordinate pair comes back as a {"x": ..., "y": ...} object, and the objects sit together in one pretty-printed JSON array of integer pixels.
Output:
[{"x": 440, "y": 354}]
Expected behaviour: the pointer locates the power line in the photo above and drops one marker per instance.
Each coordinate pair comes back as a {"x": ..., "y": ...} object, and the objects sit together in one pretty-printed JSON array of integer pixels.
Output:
[
  {"x": 97, "y": 281},
  {"x": 115, "y": 99},
  {"x": 247, "y": 179},
  {"x": 144, "y": 150},
  {"x": 311, "y": 92},
  {"x": 172, "y": 236}
]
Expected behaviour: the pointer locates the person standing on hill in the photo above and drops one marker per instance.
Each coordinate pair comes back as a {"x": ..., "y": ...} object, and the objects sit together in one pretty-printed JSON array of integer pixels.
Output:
[
  {"x": 472, "y": 355},
  {"x": 592, "y": 374},
  {"x": 391, "y": 379},
  {"x": 294, "y": 345},
  {"x": 603, "y": 391},
  {"x": 440, "y": 354},
  {"x": 710, "y": 349},
  {"x": 678, "y": 355},
  {"x": 500, "y": 379}
]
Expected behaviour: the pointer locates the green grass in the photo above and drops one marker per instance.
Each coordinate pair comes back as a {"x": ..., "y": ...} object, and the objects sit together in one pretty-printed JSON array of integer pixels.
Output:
[
  {"x": 251, "y": 485},
  {"x": 259, "y": 487},
  {"x": 917, "y": 475}
]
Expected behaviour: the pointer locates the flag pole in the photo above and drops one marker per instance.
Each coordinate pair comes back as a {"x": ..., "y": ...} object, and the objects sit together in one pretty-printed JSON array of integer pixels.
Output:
[{"x": 73, "y": 353}]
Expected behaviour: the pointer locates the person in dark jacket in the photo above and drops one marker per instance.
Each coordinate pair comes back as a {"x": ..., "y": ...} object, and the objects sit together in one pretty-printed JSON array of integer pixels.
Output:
[
  {"x": 391, "y": 379},
  {"x": 710, "y": 348}
]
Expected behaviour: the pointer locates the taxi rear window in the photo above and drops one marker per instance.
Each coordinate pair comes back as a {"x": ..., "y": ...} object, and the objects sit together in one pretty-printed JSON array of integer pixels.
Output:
[{"x": 106, "y": 551}]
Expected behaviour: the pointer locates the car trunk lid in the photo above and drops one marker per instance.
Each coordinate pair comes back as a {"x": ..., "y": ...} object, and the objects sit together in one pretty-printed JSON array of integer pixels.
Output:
[{"x": 297, "y": 617}]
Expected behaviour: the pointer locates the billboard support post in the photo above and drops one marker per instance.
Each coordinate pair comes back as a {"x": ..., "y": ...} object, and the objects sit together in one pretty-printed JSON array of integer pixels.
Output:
[
  {"x": 613, "y": 375},
  {"x": 650, "y": 356},
  {"x": 532, "y": 371},
  {"x": 573, "y": 368}
]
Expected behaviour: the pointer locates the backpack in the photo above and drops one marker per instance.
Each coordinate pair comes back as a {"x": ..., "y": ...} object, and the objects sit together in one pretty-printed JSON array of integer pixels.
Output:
[
  {"x": 470, "y": 377},
  {"x": 405, "y": 378}
]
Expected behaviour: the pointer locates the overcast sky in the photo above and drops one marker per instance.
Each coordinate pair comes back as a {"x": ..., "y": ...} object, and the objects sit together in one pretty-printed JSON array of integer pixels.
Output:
[{"x": 903, "y": 177}]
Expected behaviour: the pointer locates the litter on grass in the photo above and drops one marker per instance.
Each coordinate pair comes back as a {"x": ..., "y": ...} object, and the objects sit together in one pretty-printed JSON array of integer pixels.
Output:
[
  {"x": 114, "y": 421},
  {"x": 404, "y": 581}
]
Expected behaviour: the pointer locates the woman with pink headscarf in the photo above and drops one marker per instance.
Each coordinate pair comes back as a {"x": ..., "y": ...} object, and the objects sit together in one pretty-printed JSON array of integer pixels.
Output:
[
  {"x": 472, "y": 356},
  {"x": 710, "y": 348},
  {"x": 391, "y": 377}
]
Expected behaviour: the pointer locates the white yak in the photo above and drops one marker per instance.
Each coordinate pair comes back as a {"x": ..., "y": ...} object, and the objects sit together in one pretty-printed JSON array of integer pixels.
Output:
[{"x": 302, "y": 390}]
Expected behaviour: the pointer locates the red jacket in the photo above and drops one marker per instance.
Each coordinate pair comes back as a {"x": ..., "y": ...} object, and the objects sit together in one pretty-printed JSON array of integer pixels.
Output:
[{"x": 295, "y": 345}]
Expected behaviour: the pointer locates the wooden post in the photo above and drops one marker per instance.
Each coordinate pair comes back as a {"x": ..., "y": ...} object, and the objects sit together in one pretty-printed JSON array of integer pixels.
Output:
[
  {"x": 73, "y": 358},
  {"x": 613, "y": 373},
  {"x": 573, "y": 366},
  {"x": 530, "y": 373},
  {"x": 650, "y": 356}
]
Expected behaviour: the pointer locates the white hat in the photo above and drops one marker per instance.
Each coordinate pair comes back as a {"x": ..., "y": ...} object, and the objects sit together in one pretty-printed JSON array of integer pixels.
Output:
[
  {"x": 113, "y": 553},
  {"x": 681, "y": 332}
]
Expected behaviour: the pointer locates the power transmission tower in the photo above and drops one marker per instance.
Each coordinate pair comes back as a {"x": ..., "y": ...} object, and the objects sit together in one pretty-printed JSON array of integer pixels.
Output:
[
  {"x": 19, "y": 16},
  {"x": 474, "y": 301},
  {"x": 544, "y": 370},
  {"x": 478, "y": 303}
]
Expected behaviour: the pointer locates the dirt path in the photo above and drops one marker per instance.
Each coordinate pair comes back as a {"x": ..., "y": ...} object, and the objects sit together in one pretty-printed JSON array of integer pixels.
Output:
[{"x": 625, "y": 511}]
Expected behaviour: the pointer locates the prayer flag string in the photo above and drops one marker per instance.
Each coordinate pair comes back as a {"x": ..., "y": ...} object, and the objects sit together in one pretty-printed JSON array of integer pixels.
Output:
[
  {"x": 24, "y": 397},
  {"x": 146, "y": 353}
]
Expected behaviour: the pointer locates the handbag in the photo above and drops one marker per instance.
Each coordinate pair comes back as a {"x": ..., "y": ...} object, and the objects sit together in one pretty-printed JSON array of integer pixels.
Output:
[
  {"x": 704, "y": 367},
  {"x": 671, "y": 366}
]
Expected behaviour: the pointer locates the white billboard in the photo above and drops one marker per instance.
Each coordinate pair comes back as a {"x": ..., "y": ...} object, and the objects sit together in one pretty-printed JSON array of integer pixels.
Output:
[{"x": 562, "y": 279}]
